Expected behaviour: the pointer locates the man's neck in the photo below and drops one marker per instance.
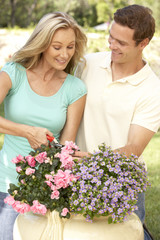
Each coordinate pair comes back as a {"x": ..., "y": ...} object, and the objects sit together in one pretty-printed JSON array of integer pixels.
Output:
[{"x": 120, "y": 70}]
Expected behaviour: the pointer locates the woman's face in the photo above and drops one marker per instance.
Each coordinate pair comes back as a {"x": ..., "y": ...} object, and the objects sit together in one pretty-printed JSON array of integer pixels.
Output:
[{"x": 61, "y": 49}]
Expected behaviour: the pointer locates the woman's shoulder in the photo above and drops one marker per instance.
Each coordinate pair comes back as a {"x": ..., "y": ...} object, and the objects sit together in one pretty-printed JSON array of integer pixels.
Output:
[
  {"x": 13, "y": 66},
  {"x": 75, "y": 81},
  {"x": 15, "y": 71},
  {"x": 74, "y": 88}
]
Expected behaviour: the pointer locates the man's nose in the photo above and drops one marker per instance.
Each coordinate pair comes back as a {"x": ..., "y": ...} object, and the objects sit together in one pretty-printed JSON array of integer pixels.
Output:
[{"x": 112, "y": 44}]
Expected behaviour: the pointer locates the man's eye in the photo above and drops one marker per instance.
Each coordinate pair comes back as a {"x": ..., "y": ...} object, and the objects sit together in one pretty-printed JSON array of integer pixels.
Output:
[{"x": 121, "y": 43}]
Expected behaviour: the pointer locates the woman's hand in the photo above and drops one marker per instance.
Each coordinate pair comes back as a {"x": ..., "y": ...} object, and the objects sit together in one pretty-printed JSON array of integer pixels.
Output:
[{"x": 37, "y": 136}]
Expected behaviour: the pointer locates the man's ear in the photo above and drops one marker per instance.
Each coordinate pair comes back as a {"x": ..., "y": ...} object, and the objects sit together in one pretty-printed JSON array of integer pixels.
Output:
[{"x": 144, "y": 43}]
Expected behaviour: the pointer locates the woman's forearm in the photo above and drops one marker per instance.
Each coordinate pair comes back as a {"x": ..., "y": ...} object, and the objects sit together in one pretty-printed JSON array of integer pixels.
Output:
[
  {"x": 36, "y": 136},
  {"x": 15, "y": 129}
]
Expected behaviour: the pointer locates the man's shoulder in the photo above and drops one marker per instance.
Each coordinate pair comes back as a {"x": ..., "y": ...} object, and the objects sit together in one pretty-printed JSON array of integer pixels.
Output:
[{"x": 152, "y": 77}]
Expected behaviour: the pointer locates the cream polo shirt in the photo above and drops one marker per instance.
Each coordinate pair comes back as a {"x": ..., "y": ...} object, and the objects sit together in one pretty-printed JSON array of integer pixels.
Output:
[{"x": 112, "y": 106}]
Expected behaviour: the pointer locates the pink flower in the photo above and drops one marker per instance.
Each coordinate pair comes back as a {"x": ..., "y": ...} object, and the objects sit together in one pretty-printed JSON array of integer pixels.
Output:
[
  {"x": 64, "y": 212},
  {"x": 73, "y": 178},
  {"x": 41, "y": 157},
  {"x": 69, "y": 147},
  {"x": 22, "y": 181},
  {"x": 10, "y": 200},
  {"x": 62, "y": 179},
  {"x": 31, "y": 161},
  {"x": 18, "y": 169},
  {"x": 18, "y": 159},
  {"x": 49, "y": 183},
  {"x": 38, "y": 208},
  {"x": 21, "y": 207},
  {"x": 49, "y": 177},
  {"x": 53, "y": 188},
  {"x": 29, "y": 171},
  {"x": 55, "y": 194},
  {"x": 66, "y": 160}
]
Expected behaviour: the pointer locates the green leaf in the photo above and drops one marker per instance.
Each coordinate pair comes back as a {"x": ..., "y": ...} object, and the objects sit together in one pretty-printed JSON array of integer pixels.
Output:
[
  {"x": 13, "y": 187},
  {"x": 109, "y": 220}
]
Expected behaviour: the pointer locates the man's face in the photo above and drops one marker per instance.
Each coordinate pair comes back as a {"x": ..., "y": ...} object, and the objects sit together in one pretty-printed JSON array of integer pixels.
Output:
[{"x": 122, "y": 45}]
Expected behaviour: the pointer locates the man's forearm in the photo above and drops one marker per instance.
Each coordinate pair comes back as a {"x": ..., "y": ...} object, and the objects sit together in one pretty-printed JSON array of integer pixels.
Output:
[{"x": 130, "y": 149}]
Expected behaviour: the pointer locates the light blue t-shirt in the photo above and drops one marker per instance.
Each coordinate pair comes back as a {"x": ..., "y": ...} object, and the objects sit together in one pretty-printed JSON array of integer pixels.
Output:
[{"x": 23, "y": 105}]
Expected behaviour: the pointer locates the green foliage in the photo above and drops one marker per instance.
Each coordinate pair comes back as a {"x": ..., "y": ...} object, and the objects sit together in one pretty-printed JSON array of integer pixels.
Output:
[
  {"x": 106, "y": 9},
  {"x": 154, "y": 5},
  {"x": 86, "y": 12},
  {"x": 97, "y": 42},
  {"x": 103, "y": 12},
  {"x": 5, "y": 12}
]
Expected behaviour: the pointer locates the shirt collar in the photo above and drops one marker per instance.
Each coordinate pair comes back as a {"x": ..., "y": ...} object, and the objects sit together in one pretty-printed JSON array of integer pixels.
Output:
[
  {"x": 138, "y": 77},
  {"x": 134, "y": 79}
]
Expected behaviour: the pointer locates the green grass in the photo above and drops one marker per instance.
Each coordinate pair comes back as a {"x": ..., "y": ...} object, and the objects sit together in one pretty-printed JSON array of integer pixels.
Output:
[{"x": 152, "y": 158}]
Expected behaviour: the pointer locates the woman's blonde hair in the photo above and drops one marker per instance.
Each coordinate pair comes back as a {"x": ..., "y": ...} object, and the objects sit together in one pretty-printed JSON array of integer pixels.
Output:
[{"x": 30, "y": 54}]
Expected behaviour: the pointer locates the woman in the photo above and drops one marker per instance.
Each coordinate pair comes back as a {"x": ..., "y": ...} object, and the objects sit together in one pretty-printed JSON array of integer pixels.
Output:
[{"x": 40, "y": 97}]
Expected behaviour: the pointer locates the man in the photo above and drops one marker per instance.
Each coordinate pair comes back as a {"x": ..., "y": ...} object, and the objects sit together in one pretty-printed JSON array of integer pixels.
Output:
[{"x": 123, "y": 102}]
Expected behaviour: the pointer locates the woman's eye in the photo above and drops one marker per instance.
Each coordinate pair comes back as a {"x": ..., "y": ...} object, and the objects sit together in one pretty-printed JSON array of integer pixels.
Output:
[
  {"x": 56, "y": 48},
  {"x": 70, "y": 47}
]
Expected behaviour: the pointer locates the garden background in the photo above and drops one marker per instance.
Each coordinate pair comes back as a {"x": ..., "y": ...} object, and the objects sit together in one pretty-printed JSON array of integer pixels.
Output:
[{"x": 17, "y": 19}]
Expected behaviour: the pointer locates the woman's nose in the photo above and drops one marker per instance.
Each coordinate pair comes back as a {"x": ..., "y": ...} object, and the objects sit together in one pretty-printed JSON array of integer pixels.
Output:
[{"x": 64, "y": 53}]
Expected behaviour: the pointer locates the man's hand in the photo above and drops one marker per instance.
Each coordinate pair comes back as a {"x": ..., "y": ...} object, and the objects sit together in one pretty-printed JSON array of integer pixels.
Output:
[{"x": 79, "y": 154}]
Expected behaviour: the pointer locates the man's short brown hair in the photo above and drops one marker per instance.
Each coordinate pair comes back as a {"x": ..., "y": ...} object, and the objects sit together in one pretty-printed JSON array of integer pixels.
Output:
[{"x": 139, "y": 18}]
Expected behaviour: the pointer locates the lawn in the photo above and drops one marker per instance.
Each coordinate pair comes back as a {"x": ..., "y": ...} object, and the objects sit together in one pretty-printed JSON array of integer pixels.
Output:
[{"x": 152, "y": 158}]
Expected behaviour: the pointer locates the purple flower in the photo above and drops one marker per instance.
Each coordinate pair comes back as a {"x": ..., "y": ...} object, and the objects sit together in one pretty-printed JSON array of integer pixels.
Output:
[
  {"x": 110, "y": 184},
  {"x": 76, "y": 202},
  {"x": 74, "y": 189},
  {"x": 120, "y": 210},
  {"x": 82, "y": 204},
  {"x": 94, "y": 180}
]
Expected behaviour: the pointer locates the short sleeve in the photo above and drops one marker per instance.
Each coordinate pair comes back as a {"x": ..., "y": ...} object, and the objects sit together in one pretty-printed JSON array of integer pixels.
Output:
[
  {"x": 15, "y": 72},
  {"x": 76, "y": 89},
  {"x": 147, "y": 112}
]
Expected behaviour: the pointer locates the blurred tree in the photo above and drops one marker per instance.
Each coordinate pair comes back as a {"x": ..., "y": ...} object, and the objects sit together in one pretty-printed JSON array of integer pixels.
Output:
[
  {"x": 5, "y": 13},
  {"x": 13, "y": 9},
  {"x": 106, "y": 8},
  {"x": 88, "y": 13},
  {"x": 154, "y": 5},
  {"x": 23, "y": 13},
  {"x": 29, "y": 12},
  {"x": 66, "y": 5}
]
